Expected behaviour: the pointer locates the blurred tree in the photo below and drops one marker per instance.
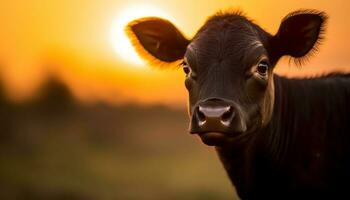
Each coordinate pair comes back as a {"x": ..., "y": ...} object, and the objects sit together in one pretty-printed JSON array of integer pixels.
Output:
[
  {"x": 5, "y": 116},
  {"x": 54, "y": 96}
]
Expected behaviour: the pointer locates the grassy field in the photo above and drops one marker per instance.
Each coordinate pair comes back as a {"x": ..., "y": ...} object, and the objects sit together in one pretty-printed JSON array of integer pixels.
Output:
[{"x": 52, "y": 147}]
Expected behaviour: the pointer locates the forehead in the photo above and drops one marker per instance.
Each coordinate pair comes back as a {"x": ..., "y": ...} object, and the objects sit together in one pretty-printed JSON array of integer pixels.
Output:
[{"x": 227, "y": 37}]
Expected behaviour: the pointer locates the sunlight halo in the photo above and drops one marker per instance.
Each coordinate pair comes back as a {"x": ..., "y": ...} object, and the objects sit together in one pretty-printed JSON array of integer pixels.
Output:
[{"x": 118, "y": 36}]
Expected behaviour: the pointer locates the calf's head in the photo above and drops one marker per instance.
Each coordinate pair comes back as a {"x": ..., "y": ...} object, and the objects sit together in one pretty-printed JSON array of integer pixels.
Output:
[{"x": 228, "y": 66}]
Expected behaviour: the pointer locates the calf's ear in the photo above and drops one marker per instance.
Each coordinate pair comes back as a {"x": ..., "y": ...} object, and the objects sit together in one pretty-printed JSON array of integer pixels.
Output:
[
  {"x": 156, "y": 38},
  {"x": 299, "y": 33}
]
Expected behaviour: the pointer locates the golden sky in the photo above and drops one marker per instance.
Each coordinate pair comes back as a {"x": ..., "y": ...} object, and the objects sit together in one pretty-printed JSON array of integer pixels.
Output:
[{"x": 71, "y": 39}]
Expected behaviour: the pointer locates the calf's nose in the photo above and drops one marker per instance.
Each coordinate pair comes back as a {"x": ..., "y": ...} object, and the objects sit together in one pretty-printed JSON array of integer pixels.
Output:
[
  {"x": 213, "y": 116},
  {"x": 218, "y": 116}
]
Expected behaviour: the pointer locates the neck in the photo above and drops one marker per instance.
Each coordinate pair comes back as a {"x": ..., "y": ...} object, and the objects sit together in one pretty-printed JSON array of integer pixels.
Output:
[
  {"x": 304, "y": 128},
  {"x": 267, "y": 147}
]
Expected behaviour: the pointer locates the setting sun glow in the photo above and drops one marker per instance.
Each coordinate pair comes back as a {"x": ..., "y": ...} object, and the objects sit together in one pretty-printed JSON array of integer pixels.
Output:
[
  {"x": 83, "y": 43},
  {"x": 119, "y": 39}
]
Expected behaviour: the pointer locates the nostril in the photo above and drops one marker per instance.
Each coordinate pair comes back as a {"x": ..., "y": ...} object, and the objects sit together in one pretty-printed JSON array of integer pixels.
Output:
[
  {"x": 201, "y": 117},
  {"x": 227, "y": 117}
]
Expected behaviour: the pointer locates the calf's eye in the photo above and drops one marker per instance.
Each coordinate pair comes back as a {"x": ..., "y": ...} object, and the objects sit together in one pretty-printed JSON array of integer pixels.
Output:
[
  {"x": 187, "y": 70},
  {"x": 263, "y": 68},
  {"x": 185, "y": 67}
]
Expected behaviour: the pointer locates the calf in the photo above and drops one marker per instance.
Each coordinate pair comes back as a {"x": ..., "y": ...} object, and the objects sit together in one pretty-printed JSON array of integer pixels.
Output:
[{"x": 278, "y": 138}]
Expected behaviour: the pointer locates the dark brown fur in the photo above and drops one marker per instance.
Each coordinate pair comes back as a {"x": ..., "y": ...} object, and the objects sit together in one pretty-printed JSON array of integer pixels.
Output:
[{"x": 290, "y": 138}]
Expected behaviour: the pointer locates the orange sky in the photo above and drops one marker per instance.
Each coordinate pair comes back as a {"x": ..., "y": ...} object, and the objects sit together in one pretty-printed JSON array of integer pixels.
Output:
[{"x": 71, "y": 39}]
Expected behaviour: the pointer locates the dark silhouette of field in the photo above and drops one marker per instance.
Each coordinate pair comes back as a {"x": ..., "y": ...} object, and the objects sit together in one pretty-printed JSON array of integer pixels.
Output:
[{"x": 53, "y": 147}]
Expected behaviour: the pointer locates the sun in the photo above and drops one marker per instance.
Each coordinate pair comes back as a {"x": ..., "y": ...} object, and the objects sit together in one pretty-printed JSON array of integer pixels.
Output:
[{"x": 118, "y": 37}]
